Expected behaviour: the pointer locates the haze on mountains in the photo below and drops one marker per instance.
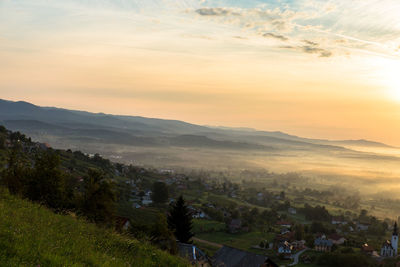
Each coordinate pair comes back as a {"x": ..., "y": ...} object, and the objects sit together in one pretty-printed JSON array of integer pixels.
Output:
[{"x": 177, "y": 144}]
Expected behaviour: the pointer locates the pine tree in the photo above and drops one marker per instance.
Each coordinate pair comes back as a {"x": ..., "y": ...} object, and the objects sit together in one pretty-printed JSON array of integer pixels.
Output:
[
  {"x": 160, "y": 193},
  {"x": 180, "y": 221}
]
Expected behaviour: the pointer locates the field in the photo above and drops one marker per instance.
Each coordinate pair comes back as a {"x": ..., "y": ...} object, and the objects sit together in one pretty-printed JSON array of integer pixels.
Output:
[
  {"x": 240, "y": 240},
  {"x": 31, "y": 235}
]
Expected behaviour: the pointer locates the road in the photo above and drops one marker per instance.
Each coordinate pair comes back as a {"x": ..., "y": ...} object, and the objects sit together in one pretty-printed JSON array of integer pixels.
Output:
[{"x": 296, "y": 257}]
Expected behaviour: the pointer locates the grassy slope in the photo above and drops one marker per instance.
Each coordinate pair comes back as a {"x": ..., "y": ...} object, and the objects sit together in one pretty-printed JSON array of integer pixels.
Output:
[{"x": 31, "y": 235}]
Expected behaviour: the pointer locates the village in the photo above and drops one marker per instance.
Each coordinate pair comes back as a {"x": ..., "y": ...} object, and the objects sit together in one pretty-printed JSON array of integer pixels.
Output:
[
  {"x": 273, "y": 221},
  {"x": 277, "y": 224}
]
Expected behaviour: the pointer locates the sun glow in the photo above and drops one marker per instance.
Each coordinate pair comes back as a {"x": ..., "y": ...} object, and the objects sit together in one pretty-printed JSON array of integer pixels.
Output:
[{"x": 390, "y": 75}]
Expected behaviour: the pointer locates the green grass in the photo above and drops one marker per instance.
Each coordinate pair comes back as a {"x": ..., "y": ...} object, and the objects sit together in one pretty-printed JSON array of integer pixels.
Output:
[
  {"x": 205, "y": 226},
  {"x": 31, "y": 235},
  {"x": 242, "y": 241}
]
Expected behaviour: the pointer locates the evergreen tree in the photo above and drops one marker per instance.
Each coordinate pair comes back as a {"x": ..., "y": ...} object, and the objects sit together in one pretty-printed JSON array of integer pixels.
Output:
[
  {"x": 160, "y": 192},
  {"x": 180, "y": 221}
]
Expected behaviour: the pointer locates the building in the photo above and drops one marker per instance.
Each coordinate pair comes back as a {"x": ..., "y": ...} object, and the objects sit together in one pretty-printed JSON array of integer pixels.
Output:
[
  {"x": 232, "y": 257},
  {"x": 363, "y": 226},
  {"x": 323, "y": 244},
  {"x": 194, "y": 255},
  {"x": 285, "y": 249},
  {"x": 389, "y": 248},
  {"x": 367, "y": 249},
  {"x": 284, "y": 224},
  {"x": 337, "y": 239},
  {"x": 338, "y": 220},
  {"x": 122, "y": 223},
  {"x": 292, "y": 211},
  {"x": 235, "y": 226},
  {"x": 298, "y": 245}
]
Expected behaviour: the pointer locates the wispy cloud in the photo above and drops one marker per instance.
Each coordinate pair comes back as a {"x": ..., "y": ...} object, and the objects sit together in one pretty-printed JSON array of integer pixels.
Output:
[{"x": 275, "y": 36}]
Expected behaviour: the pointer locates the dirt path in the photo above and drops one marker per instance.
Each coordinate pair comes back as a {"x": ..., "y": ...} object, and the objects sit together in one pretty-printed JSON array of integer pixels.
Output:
[{"x": 207, "y": 242}]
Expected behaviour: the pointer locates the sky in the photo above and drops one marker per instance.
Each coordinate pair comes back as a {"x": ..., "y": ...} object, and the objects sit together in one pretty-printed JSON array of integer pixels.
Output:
[{"x": 320, "y": 69}]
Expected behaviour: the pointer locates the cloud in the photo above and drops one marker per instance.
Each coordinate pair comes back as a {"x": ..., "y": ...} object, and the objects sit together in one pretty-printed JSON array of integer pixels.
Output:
[
  {"x": 316, "y": 50},
  {"x": 311, "y": 43},
  {"x": 310, "y": 50},
  {"x": 240, "y": 37},
  {"x": 275, "y": 36},
  {"x": 216, "y": 11}
]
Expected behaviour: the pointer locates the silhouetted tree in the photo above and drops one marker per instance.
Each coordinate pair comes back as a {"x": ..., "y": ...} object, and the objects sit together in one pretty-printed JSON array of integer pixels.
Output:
[
  {"x": 98, "y": 200},
  {"x": 160, "y": 192},
  {"x": 17, "y": 172},
  {"x": 46, "y": 184},
  {"x": 180, "y": 221}
]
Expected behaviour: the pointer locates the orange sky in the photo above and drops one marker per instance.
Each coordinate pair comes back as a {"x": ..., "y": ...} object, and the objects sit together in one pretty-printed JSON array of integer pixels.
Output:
[{"x": 300, "y": 67}]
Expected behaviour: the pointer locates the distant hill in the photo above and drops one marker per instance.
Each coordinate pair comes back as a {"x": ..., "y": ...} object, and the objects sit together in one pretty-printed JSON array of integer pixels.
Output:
[
  {"x": 158, "y": 141},
  {"x": 28, "y": 117},
  {"x": 34, "y": 236}
]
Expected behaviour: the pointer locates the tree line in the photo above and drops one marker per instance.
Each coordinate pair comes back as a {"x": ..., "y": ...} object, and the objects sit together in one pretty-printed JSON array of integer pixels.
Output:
[{"x": 41, "y": 178}]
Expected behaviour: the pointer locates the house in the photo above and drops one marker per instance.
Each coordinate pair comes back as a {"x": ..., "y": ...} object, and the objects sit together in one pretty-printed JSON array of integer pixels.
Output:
[
  {"x": 288, "y": 236},
  {"x": 337, "y": 239},
  {"x": 284, "y": 224},
  {"x": 338, "y": 220},
  {"x": 199, "y": 215},
  {"x": 298, "y": 244},
  {"x": 285, "y": 249},
  {"x": 367, "y": 249},
  {"x": 44, "y": 146},
  {"x": 389, "y": 248},
  {"x": 146, "y": 201},
  {"x": 232, "y": 257},
  {"x": 363, "y": 226},
  {"x": 323, "y": 244},
  {"x": 292, "y": 211},
  {"x": 284, "y": 230},
  {"x": 122, "y": 223},
  {"x": 235, "y": 225},
  {"x": 194, "y": 255}
]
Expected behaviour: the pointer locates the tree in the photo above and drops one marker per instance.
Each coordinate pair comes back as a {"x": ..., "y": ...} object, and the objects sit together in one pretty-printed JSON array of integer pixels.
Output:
[
  {"x": 160, "y": 193},
  {"x": 299, "y": 231},
  {"x": 180, "y": 221},
  {"x": 98, "y": 200},
  {"x": 15, "y": 176},
  {"x": 2, "y": 141},
  {"x": 46, "y": 184},
  {"x": 162, "y": 236}
]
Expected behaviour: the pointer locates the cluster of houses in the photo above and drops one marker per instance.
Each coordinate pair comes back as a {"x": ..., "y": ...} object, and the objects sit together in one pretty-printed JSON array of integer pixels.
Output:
[{"x": 286, "y": 244}]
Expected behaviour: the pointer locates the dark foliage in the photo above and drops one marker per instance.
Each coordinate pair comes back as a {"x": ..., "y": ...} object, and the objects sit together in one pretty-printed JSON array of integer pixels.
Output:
[
  {"x": 160, "y": 193},
  {"x": 98, "y": 197},
  {"x": 180, "y": 221}
]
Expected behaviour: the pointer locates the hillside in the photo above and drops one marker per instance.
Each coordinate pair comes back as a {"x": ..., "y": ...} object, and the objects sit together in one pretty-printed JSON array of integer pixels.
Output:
[
  {"x": 173, "y": 144},
  {"x": 32, "y": 235}
]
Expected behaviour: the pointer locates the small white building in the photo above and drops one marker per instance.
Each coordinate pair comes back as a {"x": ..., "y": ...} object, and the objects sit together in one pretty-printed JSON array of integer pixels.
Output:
[
  {"x": 389, "y": 248},
  {"x": 292, "y": 211}
]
